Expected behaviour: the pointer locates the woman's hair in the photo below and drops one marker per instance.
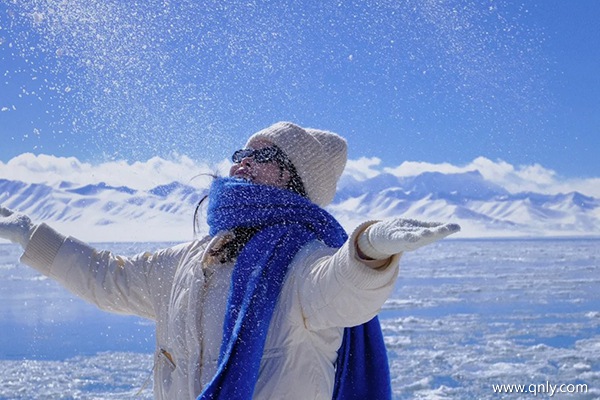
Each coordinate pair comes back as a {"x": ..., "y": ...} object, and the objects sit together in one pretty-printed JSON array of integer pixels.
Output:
[
  {"x": 295, "y": 183},
  {"x": 230, "y": 249}
]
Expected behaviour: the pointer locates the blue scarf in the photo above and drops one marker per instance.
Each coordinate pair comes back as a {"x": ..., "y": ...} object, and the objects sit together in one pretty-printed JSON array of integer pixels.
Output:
[{"x": 287, "y": 222}]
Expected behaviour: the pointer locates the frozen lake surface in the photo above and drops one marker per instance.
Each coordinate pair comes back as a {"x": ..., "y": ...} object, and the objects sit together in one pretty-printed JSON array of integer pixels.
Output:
[{"x": 465, "y": 315}]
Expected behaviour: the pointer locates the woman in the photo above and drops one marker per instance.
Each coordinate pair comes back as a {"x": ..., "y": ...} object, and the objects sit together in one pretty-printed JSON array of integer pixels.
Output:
[{"x": 262, "y": 307}]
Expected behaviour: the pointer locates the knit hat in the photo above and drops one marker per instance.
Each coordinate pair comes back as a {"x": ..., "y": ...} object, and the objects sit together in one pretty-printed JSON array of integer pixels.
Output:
[{"x": 318, "y": 156}]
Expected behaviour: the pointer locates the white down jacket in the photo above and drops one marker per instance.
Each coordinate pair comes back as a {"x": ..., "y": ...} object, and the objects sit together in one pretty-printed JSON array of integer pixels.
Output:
[{"x": 324, "y": 291}]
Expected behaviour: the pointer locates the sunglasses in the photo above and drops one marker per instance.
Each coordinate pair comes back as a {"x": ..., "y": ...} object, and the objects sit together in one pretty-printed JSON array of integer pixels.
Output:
[{"x": 264, "y": 155}]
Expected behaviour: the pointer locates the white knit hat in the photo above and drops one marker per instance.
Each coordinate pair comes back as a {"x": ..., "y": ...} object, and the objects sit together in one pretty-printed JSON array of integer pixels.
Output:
[{"x": 318, "y": 156}]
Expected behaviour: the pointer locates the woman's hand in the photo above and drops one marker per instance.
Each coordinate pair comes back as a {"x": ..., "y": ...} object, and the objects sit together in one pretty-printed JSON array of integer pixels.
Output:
[
  {"x": 386, "y": 238},
  {"x": 15, "y": 227}
]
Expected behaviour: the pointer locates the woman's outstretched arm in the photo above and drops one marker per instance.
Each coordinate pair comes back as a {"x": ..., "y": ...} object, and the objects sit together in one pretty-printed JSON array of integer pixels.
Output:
[{"x": 129, "y": 285}]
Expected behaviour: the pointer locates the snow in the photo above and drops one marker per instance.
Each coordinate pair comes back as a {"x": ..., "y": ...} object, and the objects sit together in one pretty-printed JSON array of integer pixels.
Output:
[
  {"x": 464, "y": 315},
  {"x": 155, "y": 200}
]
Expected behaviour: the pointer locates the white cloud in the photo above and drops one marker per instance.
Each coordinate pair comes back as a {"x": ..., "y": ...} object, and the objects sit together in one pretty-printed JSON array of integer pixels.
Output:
[
  {"x": 144, "y": 175},
  {"x": 534, "y": 178},
  {"x": 522, "y": 178},
  {"x": 363, "y": 168},
  {"x": 156, "y": 171},
  {"x": 413, "y": 168}
]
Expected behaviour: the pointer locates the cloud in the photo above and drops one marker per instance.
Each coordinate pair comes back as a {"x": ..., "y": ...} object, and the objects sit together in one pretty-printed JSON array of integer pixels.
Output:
[
  {"x": 413, "y": 168},
  {"x": 532, "y": 178},
  {"x": 522, "y": 178},
  {"x": 363, "y": 168},
  {"x": 143, "y": 175}
]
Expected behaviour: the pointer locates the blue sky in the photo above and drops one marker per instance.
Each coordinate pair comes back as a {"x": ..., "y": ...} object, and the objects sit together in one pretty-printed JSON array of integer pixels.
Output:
[{"x": 443, "y": 81}]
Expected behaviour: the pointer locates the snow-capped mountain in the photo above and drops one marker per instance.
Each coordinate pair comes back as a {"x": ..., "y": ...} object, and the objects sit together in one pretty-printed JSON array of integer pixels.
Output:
[
  {"x": 483, "y": 208},
  {"x": 102, "y": 212}
]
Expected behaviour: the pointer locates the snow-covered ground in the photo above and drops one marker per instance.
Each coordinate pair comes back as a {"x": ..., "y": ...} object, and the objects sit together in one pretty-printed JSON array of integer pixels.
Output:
[{"x": 465, "y": 315}]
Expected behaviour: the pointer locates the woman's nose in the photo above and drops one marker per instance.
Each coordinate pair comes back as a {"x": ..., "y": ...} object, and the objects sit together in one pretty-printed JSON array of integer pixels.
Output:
[{"x": 247, "y": 160}]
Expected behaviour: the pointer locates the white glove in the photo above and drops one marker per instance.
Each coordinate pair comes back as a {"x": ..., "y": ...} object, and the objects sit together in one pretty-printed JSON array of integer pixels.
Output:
[
  {"x": 15, "y": 227},
  {"x": 386, "y": 238}
]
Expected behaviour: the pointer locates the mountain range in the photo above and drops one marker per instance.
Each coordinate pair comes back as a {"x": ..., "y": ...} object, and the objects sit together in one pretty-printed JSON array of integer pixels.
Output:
[{"x": 104, "y": 213}]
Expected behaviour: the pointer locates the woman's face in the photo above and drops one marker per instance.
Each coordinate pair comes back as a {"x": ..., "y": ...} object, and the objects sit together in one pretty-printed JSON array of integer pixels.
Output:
[{"x": 266, "y": 173}]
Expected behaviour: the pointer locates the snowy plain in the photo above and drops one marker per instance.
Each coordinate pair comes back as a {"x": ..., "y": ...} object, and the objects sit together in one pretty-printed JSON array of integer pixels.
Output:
[{"x": 465, "y": 315}]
